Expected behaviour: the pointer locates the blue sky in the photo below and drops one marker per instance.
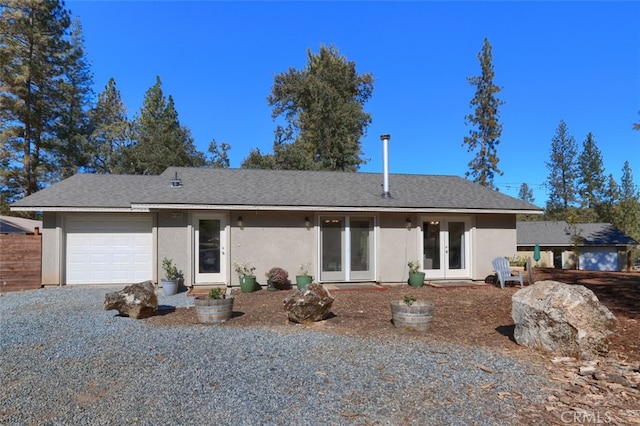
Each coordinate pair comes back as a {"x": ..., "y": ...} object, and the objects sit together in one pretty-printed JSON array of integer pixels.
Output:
[{"x": 572, "y": 61}]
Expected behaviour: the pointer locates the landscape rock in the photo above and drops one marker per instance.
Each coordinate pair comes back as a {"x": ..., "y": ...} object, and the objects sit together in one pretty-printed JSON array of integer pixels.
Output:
[
  {"x": 562, "y": 319},
  {"x": 136, "y": 301},
  {"x": 312, "y": 303}
]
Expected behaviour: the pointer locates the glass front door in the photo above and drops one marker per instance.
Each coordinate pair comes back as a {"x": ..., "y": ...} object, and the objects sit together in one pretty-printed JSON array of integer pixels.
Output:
[
  {"x": 209, "y": 249},
  {"x": 346, "y": 248},
  {"x": 445, "y": 248}
]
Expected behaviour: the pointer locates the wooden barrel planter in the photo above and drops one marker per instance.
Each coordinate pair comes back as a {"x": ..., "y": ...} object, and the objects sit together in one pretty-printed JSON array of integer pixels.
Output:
[
  {"x": 213, "y": 311},
  {"x": 414, "y": 317}
]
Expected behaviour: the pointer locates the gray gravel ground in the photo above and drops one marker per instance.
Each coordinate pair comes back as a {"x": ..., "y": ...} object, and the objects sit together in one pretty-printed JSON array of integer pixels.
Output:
[{"x": 66, "y": 361}]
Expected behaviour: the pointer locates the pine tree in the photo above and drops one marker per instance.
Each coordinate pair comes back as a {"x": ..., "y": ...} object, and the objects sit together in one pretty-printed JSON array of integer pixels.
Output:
[
  {"x": 526, "y": 194},
  {"x": 610, "y": 198},
  {"x": 161, "y": 141},
  {"x": 323, "y": 106},
  {"x": 485, "y": 136},
  {"x": 110, "y": 138},
  {"x": 72, "y": 130},
  {"x": 627, "y": 212},
  {"x": 219, "y": 155},
  {"x": 34, "y": 58},
  {"x": 561, "y": 181},
  {"x": 591, "y": 177}
]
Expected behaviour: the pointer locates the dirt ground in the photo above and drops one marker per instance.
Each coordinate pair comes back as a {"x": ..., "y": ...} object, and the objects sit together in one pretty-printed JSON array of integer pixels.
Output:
[
  {"x": 469, "y": 315},
  {"x": 474, "y": 316}
]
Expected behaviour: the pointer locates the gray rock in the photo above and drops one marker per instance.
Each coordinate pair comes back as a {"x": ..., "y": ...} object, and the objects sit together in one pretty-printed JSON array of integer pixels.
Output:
[
  {"x": 136, "y": 301},
  {"x": 562, "y": 319},
  {"x": 311, "y": 303}
]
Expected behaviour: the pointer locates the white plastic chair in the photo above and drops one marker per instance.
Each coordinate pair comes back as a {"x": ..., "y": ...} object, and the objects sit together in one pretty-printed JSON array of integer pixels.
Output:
[{"x": 501, "y": 266}]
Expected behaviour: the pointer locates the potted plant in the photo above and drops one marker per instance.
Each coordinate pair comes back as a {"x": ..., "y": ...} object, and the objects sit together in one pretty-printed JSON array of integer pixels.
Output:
[
  {"x": 416, "y": 277},
  {"x": 411, "y": 314},
  {"x": 277, "y": 279},
  {"x": 246, "y": 276},
  {"x": 214, "y": 308},
  {"x": 303, "y": 278},
  {"x": 172, "y": 277}
]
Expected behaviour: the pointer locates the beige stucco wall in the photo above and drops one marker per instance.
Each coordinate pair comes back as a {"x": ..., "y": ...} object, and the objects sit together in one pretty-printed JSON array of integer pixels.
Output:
[
  {"x": 494, "y": 235},
  {"x": 173, "y": 242},
  {"x": 397, "y": 244},
  {"x": 52, "y": 248},
  {"x": 280, "y": 238},
  {"x": 272, "y": 238}
]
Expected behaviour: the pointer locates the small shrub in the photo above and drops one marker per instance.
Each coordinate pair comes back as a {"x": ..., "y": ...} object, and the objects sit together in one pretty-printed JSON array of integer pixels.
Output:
[
  {"x": 414, "y": 266},
  {"x": 215, "y": 293},
  {"x": 278, "y": 277},
  {"x": 516, "y": 260},
  {"x": 409, "y": 300},
  {"x": 170, "y": 270}
]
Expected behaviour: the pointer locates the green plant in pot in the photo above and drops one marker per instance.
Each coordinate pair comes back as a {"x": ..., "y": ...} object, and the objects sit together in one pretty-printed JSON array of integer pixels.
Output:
[
  {"x": 303, "y": 278},
  {"x": 416, "y": 277},
  {"x": 172, "y": 278},
  {"x": 277, "y": 279},
  {"x": 246, "y": 276},
  {"x": 215, "y": 307}
]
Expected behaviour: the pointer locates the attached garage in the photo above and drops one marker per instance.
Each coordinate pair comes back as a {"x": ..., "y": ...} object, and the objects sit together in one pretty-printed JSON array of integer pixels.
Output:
[{"x": 114, "y": 249}]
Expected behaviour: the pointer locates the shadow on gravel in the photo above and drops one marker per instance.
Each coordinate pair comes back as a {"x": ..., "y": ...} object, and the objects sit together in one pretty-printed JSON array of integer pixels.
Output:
[
  {"x": 507, "y": 330},
  {"x": 165, "y": 309}
]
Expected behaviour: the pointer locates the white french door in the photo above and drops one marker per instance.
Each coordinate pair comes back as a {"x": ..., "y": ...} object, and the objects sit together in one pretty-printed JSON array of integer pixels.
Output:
[
  {"x": 347, "y": 248},
  {"x": 209, "y": 248},
  {"x": 445, "y": 247}
]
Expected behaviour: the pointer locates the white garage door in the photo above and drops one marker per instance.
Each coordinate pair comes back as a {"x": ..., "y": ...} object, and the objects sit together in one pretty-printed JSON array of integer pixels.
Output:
[
  {"x": 109, "y": 250},
  {"x": 599, "y": 259}
]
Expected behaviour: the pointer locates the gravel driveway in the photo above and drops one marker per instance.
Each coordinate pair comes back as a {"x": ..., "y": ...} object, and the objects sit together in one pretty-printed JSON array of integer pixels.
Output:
[{"x": 66, "y": 361}]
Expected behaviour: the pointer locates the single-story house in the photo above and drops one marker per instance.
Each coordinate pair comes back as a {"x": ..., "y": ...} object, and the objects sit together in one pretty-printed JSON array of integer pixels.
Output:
[
  {"x": 600, "y": 246},
  {"x": 346, "y": 227}
]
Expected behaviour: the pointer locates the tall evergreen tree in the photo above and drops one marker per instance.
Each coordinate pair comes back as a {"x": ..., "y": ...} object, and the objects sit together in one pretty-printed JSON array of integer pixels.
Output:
[
  {"x": 526, "y": 194},
  {"x": 485, "y": 135},
  {"x": 161, "y": 141},
  {"x": 610, "y": 198},
  {"x": 110, "y": 137},
  {"x": 562, "y": 167},
  {"x": 72, "y": 130},
  {"x": 219, "y": 155},
  {"x": 591, "y": 177},
  {"x": 34, "y": 58},
  {"x": 323, "y": 106},
  {"x": 627, "y": 215}
]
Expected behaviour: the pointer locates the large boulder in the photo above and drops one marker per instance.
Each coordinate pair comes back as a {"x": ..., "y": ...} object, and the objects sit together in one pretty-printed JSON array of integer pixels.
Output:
[
  {"x": 308, "y": 304},
  {"x": 562, "y": 319},
  {"x": 135, "y": 301}
]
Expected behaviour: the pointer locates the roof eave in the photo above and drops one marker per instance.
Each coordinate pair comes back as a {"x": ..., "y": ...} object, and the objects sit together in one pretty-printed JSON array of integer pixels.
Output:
[
  {"x": 79, "y": 209},
  {"x": 253, "y": 207}
]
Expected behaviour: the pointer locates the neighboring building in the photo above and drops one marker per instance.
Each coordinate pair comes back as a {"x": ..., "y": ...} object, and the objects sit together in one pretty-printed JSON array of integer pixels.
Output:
[
  {"x": 596, "y": 246},
  {"x": 117, "y": 229},
  {"x": 19, "y": 225}
]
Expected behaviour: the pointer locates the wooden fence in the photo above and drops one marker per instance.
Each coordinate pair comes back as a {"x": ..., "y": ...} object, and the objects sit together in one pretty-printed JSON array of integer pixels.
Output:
[{"x": 20, "y": 262}]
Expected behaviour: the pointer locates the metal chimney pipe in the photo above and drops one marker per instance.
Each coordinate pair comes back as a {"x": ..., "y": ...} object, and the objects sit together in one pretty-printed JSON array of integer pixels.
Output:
[{"x": 385, "y": 165}]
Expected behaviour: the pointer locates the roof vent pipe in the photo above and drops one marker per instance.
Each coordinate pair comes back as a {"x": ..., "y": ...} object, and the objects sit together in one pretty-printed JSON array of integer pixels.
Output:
[
  {"x": 385, "y": 165},
  {"x": 176, "y": 182}
]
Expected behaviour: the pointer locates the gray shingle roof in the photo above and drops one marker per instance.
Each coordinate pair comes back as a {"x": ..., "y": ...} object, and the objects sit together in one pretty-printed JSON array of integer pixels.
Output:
[
  {"x": 558, "y": 234},
  {"x": 245, "y": 187}
]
